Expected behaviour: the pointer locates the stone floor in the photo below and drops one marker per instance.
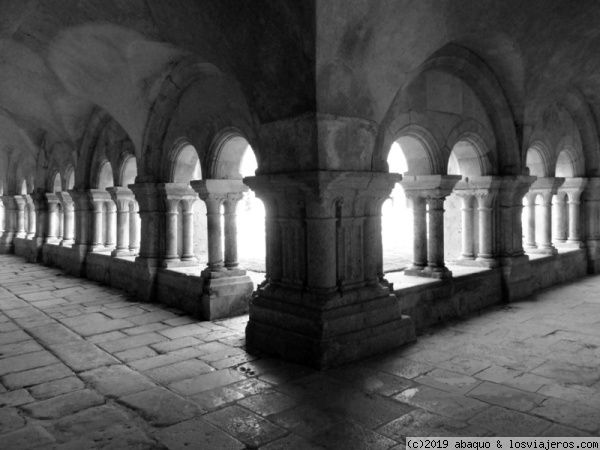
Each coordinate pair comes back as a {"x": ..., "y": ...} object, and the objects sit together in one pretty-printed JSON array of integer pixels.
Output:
[{"x": 82, "y": 367}]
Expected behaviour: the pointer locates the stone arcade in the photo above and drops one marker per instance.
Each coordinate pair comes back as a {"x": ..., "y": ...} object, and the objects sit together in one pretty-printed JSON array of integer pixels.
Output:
[{"x": 124, "y": 126}]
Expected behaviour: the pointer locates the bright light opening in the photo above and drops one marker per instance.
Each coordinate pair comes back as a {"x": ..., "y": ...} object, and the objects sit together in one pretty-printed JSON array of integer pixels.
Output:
[{"x": 396, "y": 219}]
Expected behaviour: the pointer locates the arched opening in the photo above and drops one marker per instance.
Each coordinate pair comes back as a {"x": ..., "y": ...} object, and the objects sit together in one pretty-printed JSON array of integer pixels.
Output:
[
  {"x": 396, "y": 216},
  {"x": 251, "y": 220},
  {"x": 105, "y": 176},
  {"x": 105, "y": 224},
  {"x": 130, "y": 243},
  {"x": 26, "y": 207},
  {"x": 129, "y": 171},
  {"x": 461, "y": 214},
  {"x": 187, "y": 168},
  {"x": 187, "y": 165}
]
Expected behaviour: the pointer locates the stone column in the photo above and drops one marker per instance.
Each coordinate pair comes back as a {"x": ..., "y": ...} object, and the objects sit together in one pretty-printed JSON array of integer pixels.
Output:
[
  {"x": 327, "y": 307},
  {"x": 419, "y": 210},
  {"x": 515, "y": 268},
  {"x": 151, "y": 216},
  {"x": 41, "y": 207},
  {"x": 171, "y": 216},
  {"x": 230, "y": 222},
  {"x": 484, "y": 191},
  {"x": 468, "y": 228},
  {"x": 545, "y": 189},
  {"x": 53, "y": 202},
  {"x": 20, "y": 213},
  {"x": 435, "y": 253},
  {"x": 81, "y": 211},
  {"x": 98, "y": 199},
  {"x": 216, "y": 193},
  {"x": 530, "y": 239},
  {"x": 187, "y": 247},
  {"x": 172, "y": 194},
  {"x": 134, "y": 228},
  {"x": 122, "y": 198},
  {"x": 226, "y": 290},
  {"x": 591, "y": 223},
  {"x": 30, "y": 211},
  {"x": 574, "y": 188},
  {"x": 559, "y": 213},
  {"x": 486, "y": 227},
  {"x": 69, "y": 219},
  {"x": 111, "y": 224},
  {"x": 10, "y": 223},
  {"x": 434, "y": 189}
]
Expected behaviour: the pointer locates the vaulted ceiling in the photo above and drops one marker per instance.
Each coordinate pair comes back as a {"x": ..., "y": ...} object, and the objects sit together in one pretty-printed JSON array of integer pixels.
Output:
[{"x": 61, "y": 59}]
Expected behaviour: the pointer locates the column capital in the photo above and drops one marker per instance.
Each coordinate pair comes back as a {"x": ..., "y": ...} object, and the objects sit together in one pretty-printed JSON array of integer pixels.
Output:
[
  {"x": 432, "y": 186},
  {"x": 65, "y": 199},
  {"x": 547, "y": 185},
  {"x": 52, "y": 199},
  {"x": 218, "y": 189},
  {"x": 513, "y": 188},
  {"x": 20, "y": 201},
  {"x": 321, "y": 191},
  {"x": 122, "y": 197}
]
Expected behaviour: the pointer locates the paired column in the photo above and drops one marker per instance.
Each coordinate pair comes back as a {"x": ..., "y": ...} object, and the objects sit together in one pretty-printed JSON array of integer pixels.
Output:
[
  {"x": 30, "y": 211},
  {"x": 101, "y": 227},
  {"x": 574, "y": 187},
  {"x": 217, "y": 193},
  {"x": 52, "y": 232},
  {"x": 560, "y": 233},
  {"x": 428, "y": 193},
  {"x": 530, "y": 211},
  {"x": 123, "y": 200},
  {"x": 478, "y": 193},
  {"x": 178, "y": 197},
  {"x": 68, "y": 232},
  {"x": 543, "y": 189},
  {"x": 10, "y": 224},
  {"x": 20, "y": 213}
]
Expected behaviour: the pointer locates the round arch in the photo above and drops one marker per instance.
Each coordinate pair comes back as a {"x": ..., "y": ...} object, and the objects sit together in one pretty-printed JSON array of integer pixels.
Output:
[
  {"x": 194, "y": 93},
  {"x": 465, "y": 65},
  {"x": 538, "y": 160}
]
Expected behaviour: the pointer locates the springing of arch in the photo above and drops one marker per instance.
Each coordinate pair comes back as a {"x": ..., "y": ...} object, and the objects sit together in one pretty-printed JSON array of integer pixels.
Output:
[
  {"x": 183, "y": 164},
  {"x": 538, "y": 160},
  {"x": 104, "y": 176},
  {"x": 465, "y": 65},
  {"x": 420, "y": 149},
  {"x": 470, "y": 157},
  {"x": 127, "y": 171},
  {"x": 226, "y": 153}
]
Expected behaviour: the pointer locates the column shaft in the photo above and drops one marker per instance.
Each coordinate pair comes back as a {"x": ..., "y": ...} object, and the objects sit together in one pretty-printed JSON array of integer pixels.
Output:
[
  {"x": 530, "y": 229},
  {"x": 171, "y": 230},
  {"x": 468, "y": 243},
  {"x": 574, "y": 227},
  {"x": 230, "y": 222},
  {"x": 213, "y": 224},
  {"x": 419, "y": 232},
  {"x": 486, "y": 247},
  {"x": 436, "y": 234}
]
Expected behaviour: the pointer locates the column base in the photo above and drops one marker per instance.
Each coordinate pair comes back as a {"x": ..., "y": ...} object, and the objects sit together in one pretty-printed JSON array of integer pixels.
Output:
[
  {"x": 427, "y": 272},
  {"x": 175, "y": 263},
  {"x": 479, "y": 262},
  {"x": 225, "y": 294},
  {"x": 325, "y": 331},
  {"x": 573, "y": 244},
  {"x": 120, "y": 252},
  {"x": 66, "y": 243},
  {"x": 543, "y": 251}
]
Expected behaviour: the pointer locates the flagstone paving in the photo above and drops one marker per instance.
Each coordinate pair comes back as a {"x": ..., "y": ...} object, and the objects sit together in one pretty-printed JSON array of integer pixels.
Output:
[{"x": 84, "y": 366}]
